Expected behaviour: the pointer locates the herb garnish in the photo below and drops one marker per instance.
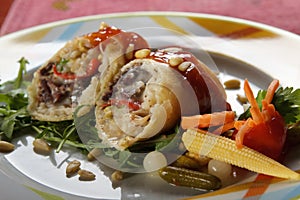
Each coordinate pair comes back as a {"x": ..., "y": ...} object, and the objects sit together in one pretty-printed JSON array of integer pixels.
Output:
[{"x": 286, "y": 101}]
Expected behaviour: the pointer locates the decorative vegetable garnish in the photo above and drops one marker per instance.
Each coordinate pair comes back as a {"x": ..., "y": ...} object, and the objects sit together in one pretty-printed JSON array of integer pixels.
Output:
[
  {"x": 286, "y": 102},
  {"x": 265, "y": 131},
  {"x": 260, "y": 138},
  {"x": 222, "y": 120},
  {"x": 91, "y": 69},
  {"x": 224, "y": 149},
  {"x": 206, "y": 120},
  {"x": 262, "y": 127}
]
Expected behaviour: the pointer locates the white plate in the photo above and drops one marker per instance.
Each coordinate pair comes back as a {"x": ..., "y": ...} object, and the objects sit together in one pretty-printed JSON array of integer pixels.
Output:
[{"x": 265, "y": 53}]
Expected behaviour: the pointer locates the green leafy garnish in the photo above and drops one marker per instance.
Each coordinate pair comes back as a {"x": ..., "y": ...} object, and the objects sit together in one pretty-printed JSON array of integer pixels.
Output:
[
  {"x": 61, "y": 64},
  {"x": 13, "y": 103},
  {"x": 286, "y": 101},
  {"x": 21, "y": 73}
]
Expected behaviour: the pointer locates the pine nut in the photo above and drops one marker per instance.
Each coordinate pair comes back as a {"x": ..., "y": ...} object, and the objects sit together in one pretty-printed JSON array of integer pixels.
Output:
[
  {"x": 72, "y": 168},
  {"x": 40, "y": 146},
  {"x": 117, "y": 176},
  {"x": 143, "y": 53},
  {"x": 183, "y": 66},
  {"x": 103, "y": 25},
  {"x": 108, "y": 112},
  {"x": 93, "y": 154},
  {"x": 75, "y": 54},
  {"x": 100, "y": 57},
  {"x": 6, "y": 147},
  {"x": 175, "y": 61},
  {"x": 242, "y": 99},
  {"x": 85, "y": 175},
  {"x": 232, "y": 84}
]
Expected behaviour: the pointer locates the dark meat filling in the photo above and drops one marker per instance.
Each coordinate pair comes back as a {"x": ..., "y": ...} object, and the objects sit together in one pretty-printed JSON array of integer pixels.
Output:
[
  {"x": 53, "y": 89},
  {"x": 125, "y": 86}
]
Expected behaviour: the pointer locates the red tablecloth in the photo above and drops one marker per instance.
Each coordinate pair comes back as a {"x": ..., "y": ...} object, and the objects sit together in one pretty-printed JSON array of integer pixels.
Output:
[{"x": 284, "y": 14}]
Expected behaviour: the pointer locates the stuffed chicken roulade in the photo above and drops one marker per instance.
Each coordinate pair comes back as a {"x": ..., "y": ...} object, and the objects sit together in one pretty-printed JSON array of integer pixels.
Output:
[
  {"x": 72, "y": 72},
  {"x": 148, "y": 95}
]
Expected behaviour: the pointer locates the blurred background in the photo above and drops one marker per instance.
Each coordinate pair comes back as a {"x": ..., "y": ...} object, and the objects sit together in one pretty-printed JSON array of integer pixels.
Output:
[{"x": 19, "y": 14}]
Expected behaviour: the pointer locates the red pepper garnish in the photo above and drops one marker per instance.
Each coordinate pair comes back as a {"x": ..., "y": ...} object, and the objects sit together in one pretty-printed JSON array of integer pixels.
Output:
[
  {"x": 92, "y": 69},
  {"x": 132, "y": 105},
  {"x": 266, "y": 130}
]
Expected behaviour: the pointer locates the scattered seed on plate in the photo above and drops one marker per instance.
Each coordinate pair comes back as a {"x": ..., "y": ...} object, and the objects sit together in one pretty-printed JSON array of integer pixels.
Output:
[
  {"x": 40, "y": 146},
  {"x": 72, "y": 168},
  {"x": 232, "y": 84},
  {"x": 242, "y": 99},
  {"x": 85, "y": 175},
  {"x": 6, "y": 147},
  {"x": 117, "y": 175},
  {"x": 93, "y": 154}
]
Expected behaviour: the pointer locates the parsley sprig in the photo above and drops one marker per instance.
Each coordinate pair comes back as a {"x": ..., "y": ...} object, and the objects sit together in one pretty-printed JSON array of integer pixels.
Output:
[{"x": 286, "y": 101}]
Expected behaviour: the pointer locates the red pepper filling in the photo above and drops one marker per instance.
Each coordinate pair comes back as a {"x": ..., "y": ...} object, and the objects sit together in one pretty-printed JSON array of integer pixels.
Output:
[{"x": 91, "y": 69}]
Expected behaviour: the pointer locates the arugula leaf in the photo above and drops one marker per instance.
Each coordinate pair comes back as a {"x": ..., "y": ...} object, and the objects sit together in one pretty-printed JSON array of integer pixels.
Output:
[
  {"x": 10, "y": 122},
  {"x": 22, "y": 71},
  {"x": 13, "y": 102},
  {"x": 59, "y": 134}
]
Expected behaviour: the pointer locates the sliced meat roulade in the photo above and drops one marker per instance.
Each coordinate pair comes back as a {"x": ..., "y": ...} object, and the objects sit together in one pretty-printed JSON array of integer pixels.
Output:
[
  {"x": 148, "y": 95},
  {"x": 72, "y": 72}
]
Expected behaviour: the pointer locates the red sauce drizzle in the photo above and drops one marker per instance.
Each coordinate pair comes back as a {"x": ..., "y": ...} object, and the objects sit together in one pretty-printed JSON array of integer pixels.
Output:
[
  {"x": 125, "y": 38},
  {"x": 103, "y": 34},
  {"x": 198, "y": 79}
]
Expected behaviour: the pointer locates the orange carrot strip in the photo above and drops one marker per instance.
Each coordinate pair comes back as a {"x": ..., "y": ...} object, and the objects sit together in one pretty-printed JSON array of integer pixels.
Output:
[
  {"x": 255, "y": 111},
  {"x": 271, "y": 91},
  {"x": 239, "y": 138},
  {"x": 224, "y": 128},
  {"x": 207, "y": 120},
  {"x": 190, "y": 122},
  {"x": 238, "y": 124},
  {"x": 268, "y": 110}
]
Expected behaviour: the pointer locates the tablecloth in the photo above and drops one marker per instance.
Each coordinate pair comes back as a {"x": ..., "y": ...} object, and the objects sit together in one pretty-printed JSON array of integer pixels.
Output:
[{"x": 279, "y": 13}]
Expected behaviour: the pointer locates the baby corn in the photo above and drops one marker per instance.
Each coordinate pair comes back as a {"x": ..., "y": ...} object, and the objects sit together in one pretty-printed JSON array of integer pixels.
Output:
[{"x": 224, "y": 149}]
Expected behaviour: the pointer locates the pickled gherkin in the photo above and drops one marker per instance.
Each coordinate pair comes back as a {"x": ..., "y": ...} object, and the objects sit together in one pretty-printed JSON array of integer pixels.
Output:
[{"x": 190, "y": 178}]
